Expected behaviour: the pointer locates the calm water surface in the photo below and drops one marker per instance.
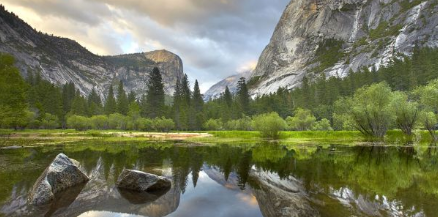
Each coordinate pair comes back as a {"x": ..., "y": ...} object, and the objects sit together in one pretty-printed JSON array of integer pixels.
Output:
[{"x": 232, "y": 180}]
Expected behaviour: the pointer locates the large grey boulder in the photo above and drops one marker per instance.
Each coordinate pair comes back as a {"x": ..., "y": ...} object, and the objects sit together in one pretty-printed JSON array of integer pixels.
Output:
[
  {"x": 140, "y": 181},
  {"x": 61, "y": 174}
]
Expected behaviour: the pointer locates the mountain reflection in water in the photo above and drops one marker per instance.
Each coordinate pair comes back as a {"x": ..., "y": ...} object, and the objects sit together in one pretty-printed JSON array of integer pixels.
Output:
[{"x": 232, "y": 180}]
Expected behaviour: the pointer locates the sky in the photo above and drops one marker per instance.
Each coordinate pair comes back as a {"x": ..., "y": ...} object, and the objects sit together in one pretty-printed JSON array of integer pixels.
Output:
[{"x": 214, "y": 38}]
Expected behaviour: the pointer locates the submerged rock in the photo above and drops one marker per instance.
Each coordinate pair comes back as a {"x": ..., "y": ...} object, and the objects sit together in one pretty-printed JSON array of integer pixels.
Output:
[
  {"x": 140, "y": 181},
  {"x": 61, "y": 174}
]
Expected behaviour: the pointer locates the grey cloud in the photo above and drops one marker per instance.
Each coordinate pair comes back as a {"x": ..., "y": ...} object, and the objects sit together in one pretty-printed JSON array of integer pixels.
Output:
[{"x": 213, "y": 37}]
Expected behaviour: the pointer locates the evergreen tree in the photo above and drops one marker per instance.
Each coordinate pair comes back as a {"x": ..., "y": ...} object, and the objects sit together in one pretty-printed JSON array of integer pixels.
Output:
[
  {"x": 12, "y": 94},
  {"x": 110, "y": 104},
  {"x": 131, "y": 97},
  {"x": 197, "y": 106},
  {"x": 155, "y": 95},
  {"x": 243, "y": 96},
  {"x": 122, "y": 100},
  {"x": 79, "y": 105},
  {"x": 94, "y": 104},
  {"x": 177, "y": 104},
  {"x": 228, "y": 98},
  {"x": 186, "y": 115}
]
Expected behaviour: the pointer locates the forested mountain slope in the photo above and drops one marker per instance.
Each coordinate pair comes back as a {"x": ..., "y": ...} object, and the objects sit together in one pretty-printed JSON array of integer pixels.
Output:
[
  {"x": 61, "y": 60},
  {"x": 333, "y": 37}
]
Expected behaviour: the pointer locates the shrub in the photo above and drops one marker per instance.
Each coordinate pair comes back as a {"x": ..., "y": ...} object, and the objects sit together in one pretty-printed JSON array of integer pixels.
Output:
[
  {"x": 213, "y": 124},
  {"x": 78, "y": 122},
  {"x": 322, "y": 125},
  {"x": 269, "y": 125},
  {"x": 302, "y": 120},
  {"x": 99, "y": 122},
  {"x": 117, "y": 121},
  {"x": 50, "y": 121},
  {"x": 163, "y": 124}
]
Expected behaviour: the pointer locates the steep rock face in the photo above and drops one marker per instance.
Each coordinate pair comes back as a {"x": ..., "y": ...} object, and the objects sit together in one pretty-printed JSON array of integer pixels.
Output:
[
  {"x": 61, "y": 60},
  {"x": 216, "y": 90},
  {"x": 336, "y": 36}
]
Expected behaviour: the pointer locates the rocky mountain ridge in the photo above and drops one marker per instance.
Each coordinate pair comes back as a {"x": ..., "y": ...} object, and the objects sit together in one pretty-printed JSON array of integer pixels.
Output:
[
  {"x": 335, "y": 37},
  {"x": 61, "y": 60}
]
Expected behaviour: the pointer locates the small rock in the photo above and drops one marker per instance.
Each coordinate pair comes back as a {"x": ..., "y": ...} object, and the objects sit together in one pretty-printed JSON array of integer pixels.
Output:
[
  {"x": 61, "y": 174},
  {"x": 140, "y": 181}
]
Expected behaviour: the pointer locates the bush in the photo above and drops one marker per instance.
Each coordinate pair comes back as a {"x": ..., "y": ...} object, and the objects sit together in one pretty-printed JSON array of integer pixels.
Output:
[
  {"x": 117, "y": 121},
  {"x": 322, "y": 125},
  {"x": 213, "y": 124},
  {"x": 50, "y": 121},
  {"x": 99, "y": 122},
  {"x": 301, "y": 121},
  {"x": 163, "y": 124},
  {"x": 78, "y": 122},
  {"x": 269, "y": 125},
  {"x": 239, "y": 124}
]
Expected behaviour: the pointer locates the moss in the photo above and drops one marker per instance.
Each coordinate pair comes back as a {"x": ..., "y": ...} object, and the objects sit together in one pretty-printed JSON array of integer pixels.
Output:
[
  {"x": 384, "y": 30},
  {"x": 328, "y": 54}
]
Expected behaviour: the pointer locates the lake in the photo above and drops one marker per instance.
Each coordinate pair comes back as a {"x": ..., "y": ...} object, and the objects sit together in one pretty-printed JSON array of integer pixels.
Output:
[{"x": 225, "y": 180}]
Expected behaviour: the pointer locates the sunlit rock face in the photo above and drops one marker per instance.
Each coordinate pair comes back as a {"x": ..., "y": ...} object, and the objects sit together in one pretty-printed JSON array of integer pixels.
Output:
[
  {"x": 336, "y": 36},
  {"x": 61, "y": 60},
  {"x": 280, "y": 197}
]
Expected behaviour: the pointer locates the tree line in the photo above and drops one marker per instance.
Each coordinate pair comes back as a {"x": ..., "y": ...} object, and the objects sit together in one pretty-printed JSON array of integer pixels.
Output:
[{"x": 319, "y": 104}]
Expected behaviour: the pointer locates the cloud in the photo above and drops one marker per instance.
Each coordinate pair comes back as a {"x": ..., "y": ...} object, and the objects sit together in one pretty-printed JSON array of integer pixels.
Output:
[{"x": 215, "y": 38}]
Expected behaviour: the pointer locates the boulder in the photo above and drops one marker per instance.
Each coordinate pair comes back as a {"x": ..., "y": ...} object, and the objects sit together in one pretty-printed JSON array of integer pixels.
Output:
[
  {"x": 61, "y": 174},
  {"x": 140, "y": 181}
]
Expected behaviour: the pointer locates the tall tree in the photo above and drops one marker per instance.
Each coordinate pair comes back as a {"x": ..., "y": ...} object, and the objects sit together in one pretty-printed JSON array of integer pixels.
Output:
[
  {"x": 243, "y": 96},
  {"x": 122, "y": 100},
  {"x": 110, "y": 103},
  {"x": 155, "y": 95},
  {"x": 228, "y": 98},
  {"x": 177, "y": 104},
  {"x": 12, "y": 94},
  {"x": 131, "y": 97},
  {"x": 197, "y": 106},
  {"x": 94, "y": 103}
]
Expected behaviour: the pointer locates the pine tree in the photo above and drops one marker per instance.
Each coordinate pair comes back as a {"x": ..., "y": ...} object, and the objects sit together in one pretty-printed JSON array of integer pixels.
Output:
[
  {"x": 228, "y": 98},
  {"x": 12, "y": 94},
  {"x": 177, "y": 104},
  {"x": 79, "y": 105},
  {"x": 243, "y": 96},
  {"x": 197, "y": 105},
  {"x": 94, "y": 103},
  {"x": 110, "y": 104},
  {"x": 185, "y": 116},
  {"x": 122, "y": 100},
  {"x": 131, "y": 97},
  {"x": 155, "y": 95}
]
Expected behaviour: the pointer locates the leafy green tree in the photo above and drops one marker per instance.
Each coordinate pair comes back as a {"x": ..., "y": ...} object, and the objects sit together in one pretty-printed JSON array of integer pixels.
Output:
[
  {"x": 270, "y": 125},
  {"x": 213, "y": 124},
  {"x": 78, "y": 122},
  {"x": 99, "y": 122},
  {"x": 117, "y": 121},
  {"x": 302, "y": 120},
  {"x": 372, "y": 111},
  {"x": 122, "y": 100},
  {"x": 12, "y": 94},
  {"x": 50, "y": 121},
  {"x": 406, "y": 112},
  {"x": 429, "y": 120},
  {"x": 110, "y": 104},
  {"x": 322, "y": 125},
  {"x": 155, "y": 95}
]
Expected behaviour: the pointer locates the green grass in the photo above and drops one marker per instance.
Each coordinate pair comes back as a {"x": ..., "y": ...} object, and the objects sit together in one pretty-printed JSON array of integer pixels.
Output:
[{"x": 53, "y": 137}]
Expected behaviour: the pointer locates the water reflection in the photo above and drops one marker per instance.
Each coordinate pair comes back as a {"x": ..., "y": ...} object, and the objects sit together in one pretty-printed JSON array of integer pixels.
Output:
[{"x": 226, "y": 180}]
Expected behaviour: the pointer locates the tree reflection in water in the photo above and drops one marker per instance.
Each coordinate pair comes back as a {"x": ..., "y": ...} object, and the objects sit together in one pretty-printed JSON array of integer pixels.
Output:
[{"x": 359, "y": 180}]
